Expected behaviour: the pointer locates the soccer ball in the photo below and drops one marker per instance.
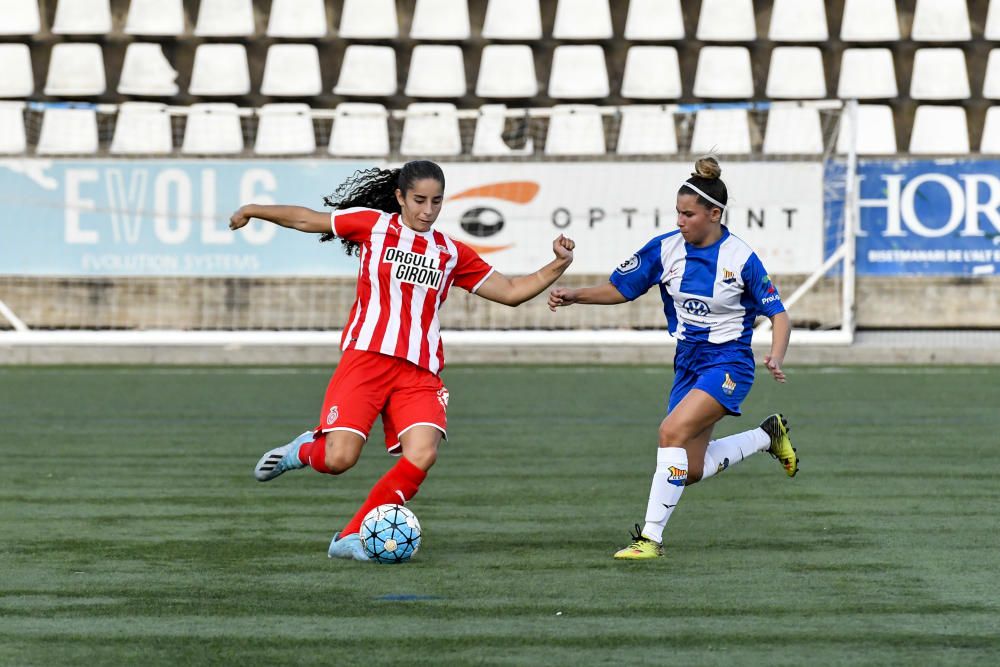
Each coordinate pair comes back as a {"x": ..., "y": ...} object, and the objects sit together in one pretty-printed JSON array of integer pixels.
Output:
[{"x": 390, "y": 534}]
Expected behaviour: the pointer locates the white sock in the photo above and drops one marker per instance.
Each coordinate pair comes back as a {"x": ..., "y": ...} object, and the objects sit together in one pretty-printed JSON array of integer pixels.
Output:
[
  {"x": 668, "y": 484},
  {"x": 732, "y": 449}
]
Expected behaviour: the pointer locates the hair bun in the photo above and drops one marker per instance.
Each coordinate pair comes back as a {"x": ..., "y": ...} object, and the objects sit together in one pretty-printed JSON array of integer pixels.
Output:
[{"x": 707, "y": 167}]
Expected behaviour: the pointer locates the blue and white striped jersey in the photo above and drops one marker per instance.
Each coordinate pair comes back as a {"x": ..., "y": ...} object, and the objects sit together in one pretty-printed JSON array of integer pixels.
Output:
[{"x": 709, "y": 294}]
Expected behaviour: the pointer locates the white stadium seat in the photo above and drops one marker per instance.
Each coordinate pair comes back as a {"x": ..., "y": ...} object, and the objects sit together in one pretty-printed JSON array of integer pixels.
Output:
[
  {"x": 798, "y": 21},
  {"x": 939, "y": 74},
  {"x": 991, "y": 82},
  {"x": 300, "y": 19},
  {"x": 142, "y": 128},
  {"x": 213, "y": 129},
  {"x": 941, "y": 21},
  {"x": 724, "y": 73},
  {"x": 507, "y": 70},
  {"x": 651, "y": 73},
  {"x": 367, "y": 71},
  {"x": 430, "y": 129},
  {"x": 224, "y": 18},
  {"x": 582, "y": 19},
  {"x": 82, "y": 17},
  {"x": 16, "y": 77},
  {"x": 369, "y": 19},
  {"x": 68, "y": 131},
  {"x": 796, "y": 73},
  {"x": 292, "y": 70},
  {"x": 646, "y": 130},
  {"x": 513, "y": 19},
  {"x": 75, "y": 69},
  {"x": 146, "y": 71},
  {"x": 12, "y": 136},
  {"x": 440, "y": 19},
  {"x": 436, "y": 71},
  {"x": 20, "y": 17},
  {"x": 725, "y": 131},
  {"x": 654, "y": 20},
  {"x": 876, "y": 133},
  {"x": 939, "y": 130},
  {"x": 284, "y": 129},
  {"x": 992, "y": 29},
  {"x": 359, "y": 129},
  {"x": 575, "y": 129},
  {"x": 727, "y": 21},
  {"x": 869, "y": 21},
  {"x": 578, "y": 72},
  {"x": 488, "y": 139},
  {"x": 867, "y": 74},
  {"x": 155, "y": 17},
  {"x": 220, "y": 70},
  {"x": 990, "y": 143},
  {"x": 793, "y": 130}
]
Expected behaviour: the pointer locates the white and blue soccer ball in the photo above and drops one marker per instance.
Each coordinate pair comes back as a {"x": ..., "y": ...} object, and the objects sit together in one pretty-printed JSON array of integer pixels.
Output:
[{"x": 390, "y": 534}]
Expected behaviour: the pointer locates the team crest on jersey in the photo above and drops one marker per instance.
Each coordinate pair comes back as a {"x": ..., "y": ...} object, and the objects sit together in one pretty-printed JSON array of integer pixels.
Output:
[
  {"x": 728, "y": 386},
  {"x": 728, "y": 277},
  {"x": 443, "y": 396},
  {"x": 414, "y": 268},
  {"x": 630, "y": 264},
  {"x": 332, "y": 415},
  {"x": 678, "y": 476}
]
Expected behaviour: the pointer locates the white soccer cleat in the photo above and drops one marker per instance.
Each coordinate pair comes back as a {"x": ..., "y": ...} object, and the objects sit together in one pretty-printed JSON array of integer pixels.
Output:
[{"x": 280, "y": 459}]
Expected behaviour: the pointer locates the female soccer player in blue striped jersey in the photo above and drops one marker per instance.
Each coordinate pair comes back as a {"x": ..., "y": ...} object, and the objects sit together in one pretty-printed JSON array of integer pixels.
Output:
[{"x": 713, "y": 287}]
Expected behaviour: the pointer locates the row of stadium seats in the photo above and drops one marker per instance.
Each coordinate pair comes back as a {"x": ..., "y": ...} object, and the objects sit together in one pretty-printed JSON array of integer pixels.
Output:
[
  {"x": 719, "y": 20},
  {"x": 362, "y": 129}
]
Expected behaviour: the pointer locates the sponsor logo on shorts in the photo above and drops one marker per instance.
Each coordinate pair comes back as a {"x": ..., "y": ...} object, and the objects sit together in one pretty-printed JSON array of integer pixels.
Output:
[
  {"x": 728, "y": 386},
  {"x": 630, "y": 264},
  {"x": 443, "y": 395},
  {"x": 332, "y": 415},
  {"x": 678, "y": 476}
]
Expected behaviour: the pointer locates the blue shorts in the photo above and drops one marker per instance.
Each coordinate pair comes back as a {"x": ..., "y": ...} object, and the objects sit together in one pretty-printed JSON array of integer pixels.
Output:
[{"x": 724, "y": 372}]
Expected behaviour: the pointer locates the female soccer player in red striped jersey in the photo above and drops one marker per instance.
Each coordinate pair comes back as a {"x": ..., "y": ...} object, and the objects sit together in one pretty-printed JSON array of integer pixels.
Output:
[{"x": 392, "y": 351}]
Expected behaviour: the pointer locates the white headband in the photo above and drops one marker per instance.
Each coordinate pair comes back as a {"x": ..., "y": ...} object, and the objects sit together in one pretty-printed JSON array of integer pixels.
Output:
[{"x": 711, "y": 199}]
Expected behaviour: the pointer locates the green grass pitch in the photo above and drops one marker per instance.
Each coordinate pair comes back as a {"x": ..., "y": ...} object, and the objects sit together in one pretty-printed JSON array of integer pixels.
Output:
[{"x": 134, "y": 533}]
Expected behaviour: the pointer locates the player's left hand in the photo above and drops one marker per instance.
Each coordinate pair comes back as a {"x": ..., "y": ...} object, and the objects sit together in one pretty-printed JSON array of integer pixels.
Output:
[
  {"x": 774, "y": 367},
  {"x": 563, "y": 248}
]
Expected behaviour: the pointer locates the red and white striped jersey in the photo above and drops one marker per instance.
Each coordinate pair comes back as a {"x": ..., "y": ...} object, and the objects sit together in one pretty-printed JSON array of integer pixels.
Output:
[{"x": 403, "y": 279}]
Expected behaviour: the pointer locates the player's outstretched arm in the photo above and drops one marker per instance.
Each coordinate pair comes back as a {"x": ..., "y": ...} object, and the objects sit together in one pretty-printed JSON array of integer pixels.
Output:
[
  {"x": 781, "y": 331},
  {"x": 604, "y": 295},
  {"x": 293, "y": 217},
  {"x": 515, "y": 291}
]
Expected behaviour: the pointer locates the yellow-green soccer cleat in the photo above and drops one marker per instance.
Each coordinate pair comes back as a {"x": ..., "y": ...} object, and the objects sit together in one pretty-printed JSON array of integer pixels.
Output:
[
  {"x": 781, "y": 448},
  {"x": 640, "y": 549}
]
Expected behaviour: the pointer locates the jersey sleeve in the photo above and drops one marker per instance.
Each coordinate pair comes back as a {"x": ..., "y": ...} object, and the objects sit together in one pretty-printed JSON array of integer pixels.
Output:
[
  {"x": 354, "y": 224},
  {"x": 758, "y": 285},
  {"x": 471, "y": 270},
  {"x": 638, "y": 273}
]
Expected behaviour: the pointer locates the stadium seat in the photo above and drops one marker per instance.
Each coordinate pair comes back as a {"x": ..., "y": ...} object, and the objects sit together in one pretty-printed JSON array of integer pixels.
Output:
[
  {"x": 291, "y": 70},
  {"x": 488, "y": 139},
  {"x": 939, "y": 130},
  {"x": 300, "y": 19},
  {"x": 793, "y": 130},
  {"x": 869, "y": 21},
  {"x": 507, "y": 70},
  {"x": 155, "y": 17},
  {"x": 652, "y": 73},
  {"x": 991, "y": 82},
  {"x": 436, "y": 71},
  {"x": 68, "y": 131},
  {"x": 867, "y": 74},
  {"x": 724, "y": 131},
  {"x": 359, "y": 129},
  {"x": 369, "y": 19},
  {"x": 16, "y": 77},
  {"x": 941, "y": 21},
  {"x": 575, "y": 129},
  {"x": 284, "y": 129},
  {"x": 142, "y": 128},
  {"x": 992, "y": 29},
  {"x": 12, "y": 136},
  {"x": 796, "y": 73},
  {"x": 220, "y": 70},
  {"x": 583, "y": 19},
  {"x": 727, "y": 21},
  {"x": 440, "y": 19},
  {"x": 990, "y": 142},
  {"x": 578, "y": 72},
  {"x": 939, "y": 74},
  {"x": 224, "y": 18},
  {"x": 82, "y": 17},
  {"x": 367, "y": 71},
  {"x": 213, "y": 129},
  {"x": 876, "y": 134},
  {"x": 798, "y": 21},
  {"x": 430, "y": 129},
  {"x": 654, "y": 20},
  {"x": 646, "y": 130},
  {"x": 20, "y": 17},
  {"x": 75, "y": 69},
  {"x": 723, "y": 73},
  {"x": 513, "y": 19},
  {"x": 146, "y": 71}
]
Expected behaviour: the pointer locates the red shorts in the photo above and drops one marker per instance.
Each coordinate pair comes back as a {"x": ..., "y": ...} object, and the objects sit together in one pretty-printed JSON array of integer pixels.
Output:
[{"x": 368, "y": 383}]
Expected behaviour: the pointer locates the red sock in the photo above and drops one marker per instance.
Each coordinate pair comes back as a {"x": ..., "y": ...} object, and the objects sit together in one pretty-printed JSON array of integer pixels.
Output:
[
  {"x": 397, "y": 486},
  {"x": 314, "y": 454}
]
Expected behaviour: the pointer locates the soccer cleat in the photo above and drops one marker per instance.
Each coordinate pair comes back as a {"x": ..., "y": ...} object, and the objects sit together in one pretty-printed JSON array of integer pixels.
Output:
[
  {"x": 781, "y": 448},
  {"x": 348, "y": 546},
  {"x": 640, "y": 549},
  {"x": 281, "y": 459}
]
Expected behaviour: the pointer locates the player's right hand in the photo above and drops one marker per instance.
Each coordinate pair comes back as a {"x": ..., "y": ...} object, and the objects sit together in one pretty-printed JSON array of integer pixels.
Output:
[
  {"x": 240, "y": 218},
  {"x": 561, "y": 296}
]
